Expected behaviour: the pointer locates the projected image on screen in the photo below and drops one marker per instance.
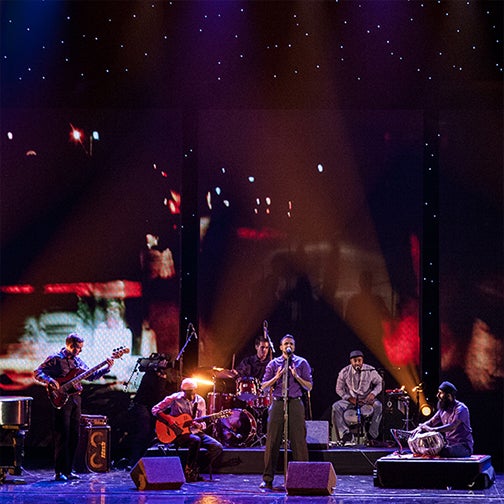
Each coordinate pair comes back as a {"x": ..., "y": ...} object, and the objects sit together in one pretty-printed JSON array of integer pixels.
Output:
[{"x": 90, "y": 239}]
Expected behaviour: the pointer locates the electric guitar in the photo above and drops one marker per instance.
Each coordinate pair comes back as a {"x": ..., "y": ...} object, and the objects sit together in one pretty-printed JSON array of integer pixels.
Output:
[
  {"x": 169, "y": 427},
  {"x": 70, "y": 384}
]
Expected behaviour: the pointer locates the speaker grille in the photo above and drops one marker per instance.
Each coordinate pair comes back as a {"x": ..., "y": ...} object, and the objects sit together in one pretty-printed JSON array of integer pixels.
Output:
[
  {"x": 158, "y": 473},
  {"x": 310, "y": 478}
]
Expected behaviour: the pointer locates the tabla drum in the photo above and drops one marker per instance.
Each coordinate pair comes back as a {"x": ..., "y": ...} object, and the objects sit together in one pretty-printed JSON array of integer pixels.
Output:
[
  {"x": 217, "y": 402},
  {"x": 247, "y": 388},
  {"x": 426, "y": 443},
  {"x": 350, "y": 415},
  {"x": 238, "y": 429}
]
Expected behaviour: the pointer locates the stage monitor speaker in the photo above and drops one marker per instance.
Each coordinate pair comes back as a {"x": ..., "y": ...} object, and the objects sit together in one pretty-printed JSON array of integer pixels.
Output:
[
  {"x": 158, "y": 473},
  {"x": 317, "y": 434},
  {"x": 310, "y": 478}
]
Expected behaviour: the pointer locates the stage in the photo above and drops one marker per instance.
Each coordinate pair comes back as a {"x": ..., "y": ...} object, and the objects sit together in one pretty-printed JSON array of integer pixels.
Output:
[
  {"x": 237, "y": 481},
  {"x": 345, "y": 460},
  {"x": 117, "y": 486}
]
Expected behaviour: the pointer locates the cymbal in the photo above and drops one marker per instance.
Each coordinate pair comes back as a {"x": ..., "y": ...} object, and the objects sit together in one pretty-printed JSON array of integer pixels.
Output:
[
  {"x": 217, "y": 372},
  {"x": 224, "y": 373}
]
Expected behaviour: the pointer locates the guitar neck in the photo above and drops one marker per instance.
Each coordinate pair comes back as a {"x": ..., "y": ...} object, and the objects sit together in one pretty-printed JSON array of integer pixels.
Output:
[
  {"x": 209, "y": 417},
  {"x": 83, "y": 375}
]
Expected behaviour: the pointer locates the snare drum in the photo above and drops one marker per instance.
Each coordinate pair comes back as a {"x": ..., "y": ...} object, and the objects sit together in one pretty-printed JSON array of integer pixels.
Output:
[
  {"x": 350, "y": 415},
  {"x": 247, "y": 388},
  {"x": 238, "y": 429}
]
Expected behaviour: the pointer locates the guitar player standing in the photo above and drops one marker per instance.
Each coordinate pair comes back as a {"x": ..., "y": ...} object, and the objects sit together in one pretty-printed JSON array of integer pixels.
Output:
[
  {"x": 187, "y": 402},
  {"x": 66, "y": 415}
]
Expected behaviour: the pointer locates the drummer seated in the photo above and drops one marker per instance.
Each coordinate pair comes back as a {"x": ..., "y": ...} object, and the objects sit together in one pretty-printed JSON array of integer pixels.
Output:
[{"x": 357, "y": 383}]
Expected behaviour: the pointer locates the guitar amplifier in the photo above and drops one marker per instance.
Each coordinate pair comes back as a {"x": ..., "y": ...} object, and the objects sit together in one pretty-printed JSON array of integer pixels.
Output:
[
  {"x": 93, "y": 420},
  {"x": 93, "y": 451}
]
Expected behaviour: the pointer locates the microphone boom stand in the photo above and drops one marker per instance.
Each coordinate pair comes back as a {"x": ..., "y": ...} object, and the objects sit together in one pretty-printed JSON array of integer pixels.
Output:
[
  {"x": 285, "y": 396},
  {"x": 179, "y": 357}
]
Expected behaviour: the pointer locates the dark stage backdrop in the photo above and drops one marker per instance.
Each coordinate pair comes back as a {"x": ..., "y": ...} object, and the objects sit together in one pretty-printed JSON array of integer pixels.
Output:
[
  {"x": 304, "y": 126},
  {"x": 297, "y": 209}
]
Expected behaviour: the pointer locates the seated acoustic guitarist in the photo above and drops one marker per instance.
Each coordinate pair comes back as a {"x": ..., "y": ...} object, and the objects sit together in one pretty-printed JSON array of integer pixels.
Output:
[{"x": 185, "y": 426}]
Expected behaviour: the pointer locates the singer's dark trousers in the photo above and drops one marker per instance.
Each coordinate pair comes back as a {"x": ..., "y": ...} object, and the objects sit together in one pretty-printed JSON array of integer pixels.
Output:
[{"x": 296, "y": 434}]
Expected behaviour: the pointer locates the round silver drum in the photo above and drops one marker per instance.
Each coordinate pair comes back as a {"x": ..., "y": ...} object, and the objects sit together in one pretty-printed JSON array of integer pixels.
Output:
[{"x": 15, "y": 410}]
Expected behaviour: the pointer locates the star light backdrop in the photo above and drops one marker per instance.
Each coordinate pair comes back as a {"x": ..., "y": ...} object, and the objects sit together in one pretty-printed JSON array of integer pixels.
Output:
[{"x": 308, "y": 142}]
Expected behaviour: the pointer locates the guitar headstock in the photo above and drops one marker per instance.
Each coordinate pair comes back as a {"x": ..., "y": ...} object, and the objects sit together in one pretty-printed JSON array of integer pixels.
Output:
[
  {"x": 118, "y": 352},
  {"x": 225, "y": 413}
]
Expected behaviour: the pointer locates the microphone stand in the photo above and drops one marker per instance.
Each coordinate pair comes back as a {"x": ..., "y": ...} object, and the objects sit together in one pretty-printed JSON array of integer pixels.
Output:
[
  {"x": 359, "y": 420},
  {"x": 381, "y": 372},
  {"x": 267, "y": 337},
  {"x": 189, "y": 333},
  {"x": 285, "y": 396}
]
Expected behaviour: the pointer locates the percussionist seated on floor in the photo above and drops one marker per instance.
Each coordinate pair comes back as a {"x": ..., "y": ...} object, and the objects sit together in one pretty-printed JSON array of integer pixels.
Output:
[
  {"x": 187, "y": 402},
  {"x": 451, "y": 421}
]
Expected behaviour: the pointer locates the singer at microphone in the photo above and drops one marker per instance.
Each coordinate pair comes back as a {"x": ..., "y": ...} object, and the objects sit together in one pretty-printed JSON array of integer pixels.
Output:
[{"x": 288, "y": 376}]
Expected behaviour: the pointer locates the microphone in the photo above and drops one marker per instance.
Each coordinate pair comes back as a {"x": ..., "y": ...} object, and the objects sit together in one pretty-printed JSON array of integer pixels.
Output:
[
  {"x": 288, "y": 351},
  {"x": 191, "y": 331}
]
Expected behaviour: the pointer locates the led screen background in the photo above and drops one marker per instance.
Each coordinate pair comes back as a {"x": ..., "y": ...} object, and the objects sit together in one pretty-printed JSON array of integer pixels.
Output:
[{"x": 323, "y": 104}]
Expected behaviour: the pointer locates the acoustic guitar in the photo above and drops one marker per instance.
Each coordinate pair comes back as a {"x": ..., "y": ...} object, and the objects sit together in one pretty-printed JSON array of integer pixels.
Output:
[
  {"x": 169, "y": 427},
  {"x": 70, "y": 384}
]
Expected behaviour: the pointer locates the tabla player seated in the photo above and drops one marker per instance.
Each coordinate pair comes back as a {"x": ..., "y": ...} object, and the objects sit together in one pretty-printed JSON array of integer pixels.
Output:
[
  {"x": 357, "y": 383},
  {"x": 452, "y": 420}
]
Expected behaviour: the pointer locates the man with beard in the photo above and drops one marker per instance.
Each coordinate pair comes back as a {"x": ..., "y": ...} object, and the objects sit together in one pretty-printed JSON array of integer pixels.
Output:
[
  {"x": 451, "y": 420},
  {"x": 188, "y": 402},
  {"x": 358, "y": 384}
]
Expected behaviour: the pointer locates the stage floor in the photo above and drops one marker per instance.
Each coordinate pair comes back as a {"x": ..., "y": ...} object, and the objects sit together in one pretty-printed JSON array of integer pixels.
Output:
[{"x": 117, "y": 486}]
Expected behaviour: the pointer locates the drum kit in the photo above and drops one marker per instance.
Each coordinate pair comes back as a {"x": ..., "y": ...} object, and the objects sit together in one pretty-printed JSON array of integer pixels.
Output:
[{"x": 246, "y": 426}]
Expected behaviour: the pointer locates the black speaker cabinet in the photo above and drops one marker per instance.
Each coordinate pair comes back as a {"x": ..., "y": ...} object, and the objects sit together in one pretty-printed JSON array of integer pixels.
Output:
[
  {"x": 158, "y": 473},
  {"x": 310, "y": 478},
  {"x": 317, "y": 434},
  {"x": 93, "y": 451}
]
